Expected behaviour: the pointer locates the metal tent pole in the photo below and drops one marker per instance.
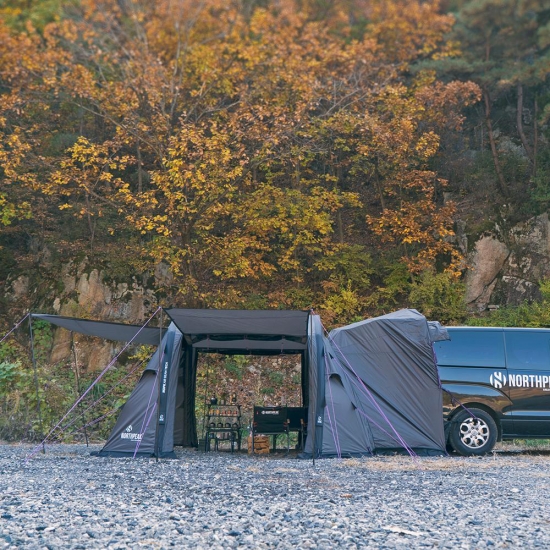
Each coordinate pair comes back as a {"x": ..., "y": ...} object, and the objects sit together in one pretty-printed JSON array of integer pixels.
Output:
[
  {"x": 205, "y": 397},
  {"x": 77, "y": 380},
  {"x": 158, "y": 379},
  {"x": 38, "y": 408},
  {"x": 315, "y": 411}
]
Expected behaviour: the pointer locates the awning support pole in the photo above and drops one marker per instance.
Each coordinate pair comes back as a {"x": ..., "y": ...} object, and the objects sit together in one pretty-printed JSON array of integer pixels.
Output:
[
  {"x": 38, "y": 408},
  {"x": 77, "y": 380},
  {"x": 205, "y": 397},
  {"x": 159, "y": 377},
  {"x": 314, "y": 412}
]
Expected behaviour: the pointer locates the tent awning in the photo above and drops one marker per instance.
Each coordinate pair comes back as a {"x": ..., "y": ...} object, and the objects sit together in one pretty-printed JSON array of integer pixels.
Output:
[
  {"x": 208, "y": 330},
  {"x": 239, "y": 321},
  {"x": 242, "y": 331},
  {"x": 109, "y": 331}
]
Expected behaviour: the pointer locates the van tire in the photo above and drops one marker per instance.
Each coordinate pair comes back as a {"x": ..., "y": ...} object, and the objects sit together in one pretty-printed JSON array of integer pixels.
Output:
[{"x": 473, "y": 432}]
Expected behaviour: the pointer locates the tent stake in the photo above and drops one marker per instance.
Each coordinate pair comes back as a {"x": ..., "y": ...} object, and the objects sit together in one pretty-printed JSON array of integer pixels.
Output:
[{"x": 36, "y": 387}]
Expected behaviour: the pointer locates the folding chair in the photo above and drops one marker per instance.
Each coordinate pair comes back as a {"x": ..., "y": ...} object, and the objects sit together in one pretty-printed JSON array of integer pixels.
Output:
[
  {"x": 297, "y": 422},
  {"x": 271, "y": 421}
]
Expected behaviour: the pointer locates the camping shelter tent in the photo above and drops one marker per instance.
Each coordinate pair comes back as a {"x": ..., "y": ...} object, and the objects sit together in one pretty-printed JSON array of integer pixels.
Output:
[
  {"x": 378, "y": 388},
  {"x": 155, "y": 418},
  {"x": 369, "y": 386}
]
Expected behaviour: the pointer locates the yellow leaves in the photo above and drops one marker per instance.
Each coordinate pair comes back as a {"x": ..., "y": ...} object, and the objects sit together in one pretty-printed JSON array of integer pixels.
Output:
[
  {"x": 415, "y": 224},
  {"x": 242, "y": 146},
  {"x": 427, "y": 145},
  {"x": 409, "y": 30}
]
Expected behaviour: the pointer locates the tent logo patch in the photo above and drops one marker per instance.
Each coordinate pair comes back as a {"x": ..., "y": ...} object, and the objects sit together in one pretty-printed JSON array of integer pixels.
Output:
[
  {"x": 128, "y": 434},
  {"x": 498, "y": 379}
]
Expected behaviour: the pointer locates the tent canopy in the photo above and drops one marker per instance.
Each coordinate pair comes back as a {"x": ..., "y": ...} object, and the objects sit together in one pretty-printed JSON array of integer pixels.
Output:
[
  {"x": 109, "y": 331},
  {"x": 236, "y": 331},
  {"x": 209, "y": 330}
]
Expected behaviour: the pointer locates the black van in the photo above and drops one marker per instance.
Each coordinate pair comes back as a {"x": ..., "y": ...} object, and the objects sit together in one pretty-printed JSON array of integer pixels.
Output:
[{"x": 498, "y": 381}]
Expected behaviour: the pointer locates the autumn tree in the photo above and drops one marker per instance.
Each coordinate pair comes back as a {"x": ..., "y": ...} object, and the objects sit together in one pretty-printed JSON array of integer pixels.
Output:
[
  {"x": 504, "y": 47},
  {"x": 266, "y": 153}
]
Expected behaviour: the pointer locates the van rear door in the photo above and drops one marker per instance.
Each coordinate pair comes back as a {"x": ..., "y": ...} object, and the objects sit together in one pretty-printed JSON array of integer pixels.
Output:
[{"x": 528, "y": 361}]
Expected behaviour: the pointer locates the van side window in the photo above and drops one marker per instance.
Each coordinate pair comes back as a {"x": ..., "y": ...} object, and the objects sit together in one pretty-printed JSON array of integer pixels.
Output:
[
  {"x": 528, "y": 350},
  {"x": 471, "y": 348}
]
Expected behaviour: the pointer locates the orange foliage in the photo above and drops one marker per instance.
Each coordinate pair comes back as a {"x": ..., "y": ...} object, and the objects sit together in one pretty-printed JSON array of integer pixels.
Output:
[{"x": 244, "y": 147}]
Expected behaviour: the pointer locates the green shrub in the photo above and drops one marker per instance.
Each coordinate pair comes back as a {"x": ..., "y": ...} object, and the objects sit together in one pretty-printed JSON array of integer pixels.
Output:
[
  {"x": 439, "y": 297},
  {"x": 528, "y": 314}
]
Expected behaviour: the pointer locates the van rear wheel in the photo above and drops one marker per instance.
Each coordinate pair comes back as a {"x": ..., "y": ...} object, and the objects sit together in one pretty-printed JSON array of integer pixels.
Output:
[{"x": 473, "y": 432}]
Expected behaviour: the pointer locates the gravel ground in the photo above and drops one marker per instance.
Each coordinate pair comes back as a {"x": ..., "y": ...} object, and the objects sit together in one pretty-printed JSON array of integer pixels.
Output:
[{"x": 68, "y": 499}]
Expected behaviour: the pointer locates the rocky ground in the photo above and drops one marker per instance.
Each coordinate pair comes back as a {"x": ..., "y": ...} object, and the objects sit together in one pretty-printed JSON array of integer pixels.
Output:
[{"x": 68, "y": 499}]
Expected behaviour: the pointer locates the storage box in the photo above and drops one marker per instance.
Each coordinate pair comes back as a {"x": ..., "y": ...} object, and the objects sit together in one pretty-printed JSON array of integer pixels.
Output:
[{"x": 261, "y": 444}]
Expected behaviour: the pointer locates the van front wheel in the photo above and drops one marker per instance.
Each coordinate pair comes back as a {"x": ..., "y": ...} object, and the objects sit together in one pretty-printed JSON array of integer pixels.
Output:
[{"x": 473, "y": 432}]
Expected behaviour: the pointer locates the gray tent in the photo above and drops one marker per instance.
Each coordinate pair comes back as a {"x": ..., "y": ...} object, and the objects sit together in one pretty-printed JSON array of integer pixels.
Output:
[
  {"x": 368, "y": 387},
  {"x": 160, "y": 412},
  {"x": 377, "y": 387}
]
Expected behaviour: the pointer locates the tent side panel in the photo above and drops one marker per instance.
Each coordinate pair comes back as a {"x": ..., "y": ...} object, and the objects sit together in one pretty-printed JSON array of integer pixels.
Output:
[
  {"x": 136, "y": 425},
  {"x": 178, "y": 406},
  {"x": 168, "y": 390},
  {"x": 389, "y": 360},
  {"x": 345, "y": 432},
  {"x": 316, "y": 387}
]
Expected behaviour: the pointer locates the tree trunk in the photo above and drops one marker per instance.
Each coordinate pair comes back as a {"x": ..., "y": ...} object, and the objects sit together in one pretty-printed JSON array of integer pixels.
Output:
[
  {"x": 379, "y": 188},
  {"x": 340, "y": 227},
  {"x": 536, "y": 138},
  {"x": 140, "y": 173},
  {"x": 519, "y": 122},
  {"x": 501, "y": 183}
]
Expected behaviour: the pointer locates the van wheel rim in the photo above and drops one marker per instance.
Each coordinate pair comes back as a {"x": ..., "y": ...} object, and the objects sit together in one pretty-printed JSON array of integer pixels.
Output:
[{"x": 474, "y": 433}]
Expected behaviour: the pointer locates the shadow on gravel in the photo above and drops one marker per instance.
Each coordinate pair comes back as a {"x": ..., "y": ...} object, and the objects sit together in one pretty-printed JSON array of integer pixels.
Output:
[{"x": 523, "y": 452}]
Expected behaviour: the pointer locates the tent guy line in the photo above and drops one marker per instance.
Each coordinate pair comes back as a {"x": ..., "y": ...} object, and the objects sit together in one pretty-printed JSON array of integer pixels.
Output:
[
  {"x": 154, "y": 387},
  {"x": 369, "y": 419},
  {"x": 333, "y": 429},
  {"x": 15, "y": 327},
  {"x": 144, "y": 429},
  {"x": 63, "y": 429}
]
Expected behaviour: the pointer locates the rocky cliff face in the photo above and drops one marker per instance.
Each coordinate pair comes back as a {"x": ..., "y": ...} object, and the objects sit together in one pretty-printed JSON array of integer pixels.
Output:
[
  {"x": 88, "y": 293},
  {"x": 504, "y": 269}
]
